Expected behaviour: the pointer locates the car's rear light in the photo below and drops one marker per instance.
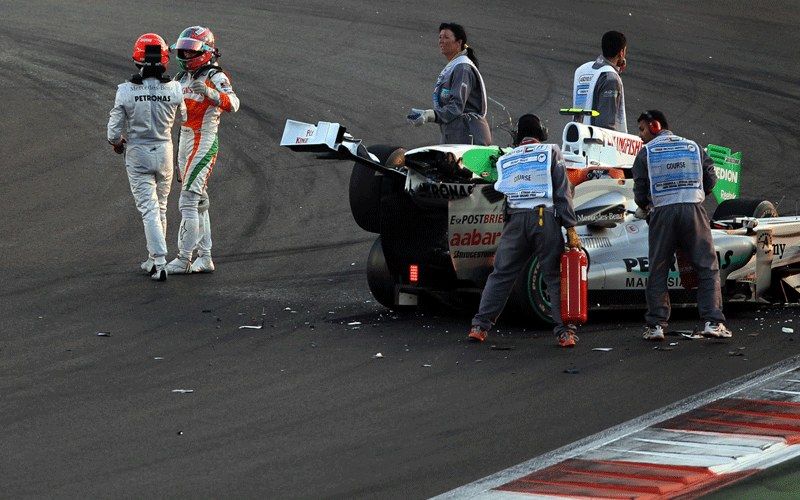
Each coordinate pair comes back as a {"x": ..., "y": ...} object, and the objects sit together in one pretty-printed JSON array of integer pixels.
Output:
[{"x": 413, "y": 273}]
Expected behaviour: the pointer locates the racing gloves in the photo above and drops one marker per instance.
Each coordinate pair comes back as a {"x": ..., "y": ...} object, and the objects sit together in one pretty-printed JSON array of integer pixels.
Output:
[
  {"x": 120, "y": 147},
  {"x": 199, "y": 87},
  {"x": 421, "y": 116}
]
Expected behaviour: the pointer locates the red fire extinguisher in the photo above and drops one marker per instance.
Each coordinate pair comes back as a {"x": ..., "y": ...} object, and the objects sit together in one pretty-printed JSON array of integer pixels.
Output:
[{"x": 573, "y": 287}]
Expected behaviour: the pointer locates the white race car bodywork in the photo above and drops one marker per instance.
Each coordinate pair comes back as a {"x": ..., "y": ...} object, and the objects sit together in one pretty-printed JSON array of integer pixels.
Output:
[
  {"x": 440, "y": 222},
  {"x": 587, "y": 146}
]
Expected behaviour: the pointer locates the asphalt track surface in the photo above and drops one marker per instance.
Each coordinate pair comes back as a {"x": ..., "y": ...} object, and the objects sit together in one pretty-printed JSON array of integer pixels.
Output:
[{"x": 300, "y": 409}]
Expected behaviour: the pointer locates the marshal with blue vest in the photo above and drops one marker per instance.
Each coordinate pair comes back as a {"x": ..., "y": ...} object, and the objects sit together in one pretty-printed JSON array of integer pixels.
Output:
[
  {"x": 671, "y": 178},
  {"x": 676, "y": 170},
  {"x": 533, "y": 178}
]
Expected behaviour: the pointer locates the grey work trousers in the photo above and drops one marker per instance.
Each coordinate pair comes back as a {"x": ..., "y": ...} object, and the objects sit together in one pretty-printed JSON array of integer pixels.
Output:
[
  {"x": 685, "y": 225},
  {"x": 523, "y": 236}
]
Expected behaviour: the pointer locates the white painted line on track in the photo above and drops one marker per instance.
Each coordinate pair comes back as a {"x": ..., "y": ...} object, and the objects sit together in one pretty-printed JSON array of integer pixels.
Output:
[{"x": 483, "y": 488}]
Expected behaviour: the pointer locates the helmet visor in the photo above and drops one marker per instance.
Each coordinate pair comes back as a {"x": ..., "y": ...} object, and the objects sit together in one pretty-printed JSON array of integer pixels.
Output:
[{"x": 191, "y": 44}]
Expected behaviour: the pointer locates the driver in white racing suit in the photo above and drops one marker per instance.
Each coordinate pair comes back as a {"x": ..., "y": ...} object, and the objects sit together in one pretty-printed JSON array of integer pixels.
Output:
[
  {"x": 207, "y": 92},
  {"x": 144, "y": 111}
]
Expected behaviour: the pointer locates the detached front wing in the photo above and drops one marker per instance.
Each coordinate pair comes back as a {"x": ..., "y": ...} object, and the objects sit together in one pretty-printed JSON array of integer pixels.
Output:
[{"x": 333, "y": 140}]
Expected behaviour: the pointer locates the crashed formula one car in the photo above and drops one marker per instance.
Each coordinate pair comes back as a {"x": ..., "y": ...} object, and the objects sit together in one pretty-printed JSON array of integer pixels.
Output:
[{"x": 439, "y": 222}]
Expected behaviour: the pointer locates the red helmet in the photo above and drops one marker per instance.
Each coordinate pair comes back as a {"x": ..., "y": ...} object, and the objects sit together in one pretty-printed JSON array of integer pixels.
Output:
[
  {"x": 140, "y": 52},
  {"x": 195, "y": 48}
]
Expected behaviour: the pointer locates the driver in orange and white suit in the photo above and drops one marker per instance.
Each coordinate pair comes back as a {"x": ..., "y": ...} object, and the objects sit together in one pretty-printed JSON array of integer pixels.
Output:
[{"x": 207, "y": 92}]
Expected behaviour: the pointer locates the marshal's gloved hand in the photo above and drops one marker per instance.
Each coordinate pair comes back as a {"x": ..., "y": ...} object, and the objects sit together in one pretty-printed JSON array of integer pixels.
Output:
[
  {"x": 572, "y": 239},
  {"x": 199, "y": 87},
  {"x": 421, "y": 116}
]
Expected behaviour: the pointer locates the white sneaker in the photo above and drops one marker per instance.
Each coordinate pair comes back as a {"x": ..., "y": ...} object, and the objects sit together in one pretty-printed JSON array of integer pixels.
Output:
[
  {"x": 653, "y": 333},
  {"x": 716, "y": 330},
  {"x": 149, "y": 266},
  {"x": 179, "y": 266},
  {"x": 159, "y": 273},
  {"x": 203, "y": 264}
]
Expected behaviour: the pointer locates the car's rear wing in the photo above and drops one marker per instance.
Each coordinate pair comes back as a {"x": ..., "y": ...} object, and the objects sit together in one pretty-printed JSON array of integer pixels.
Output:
[
  {"x": 728, "y": 167},
  {"x": 334, "y": 142}
]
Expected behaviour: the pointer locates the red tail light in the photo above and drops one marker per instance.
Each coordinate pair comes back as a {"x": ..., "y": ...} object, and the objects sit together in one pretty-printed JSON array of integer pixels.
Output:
[{"x": 413, "y": 273}]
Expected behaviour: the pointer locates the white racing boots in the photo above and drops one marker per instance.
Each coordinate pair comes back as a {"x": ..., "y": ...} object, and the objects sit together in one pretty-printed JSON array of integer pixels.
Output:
[
  {"x": 194, "y": 233},
  {"x": 157, "y": 272}
]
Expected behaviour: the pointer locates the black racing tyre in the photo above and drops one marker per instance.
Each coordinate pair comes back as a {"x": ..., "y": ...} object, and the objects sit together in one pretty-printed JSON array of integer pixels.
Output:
[
  {"x": 745, "y": 208},
  {"x": 365, "y": 190},
  {"x": 529, "y": 297},
  {"x": 380, "y": 280}
]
